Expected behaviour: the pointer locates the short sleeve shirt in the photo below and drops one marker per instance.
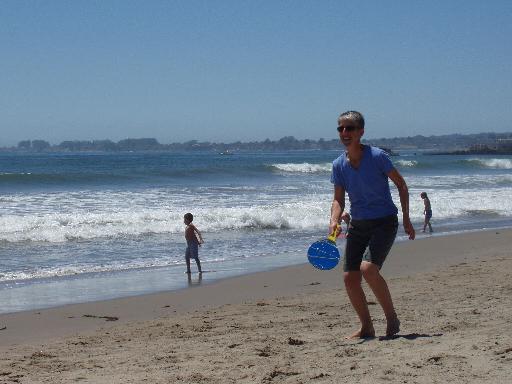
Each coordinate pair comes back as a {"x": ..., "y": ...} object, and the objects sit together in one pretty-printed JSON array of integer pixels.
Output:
[{"x": 368, "y": 186}]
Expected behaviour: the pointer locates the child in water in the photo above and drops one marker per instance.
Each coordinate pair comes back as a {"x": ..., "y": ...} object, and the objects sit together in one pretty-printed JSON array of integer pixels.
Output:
[
  {"x": 427, "y": 211},
  {"x": 194, "y": 240}
]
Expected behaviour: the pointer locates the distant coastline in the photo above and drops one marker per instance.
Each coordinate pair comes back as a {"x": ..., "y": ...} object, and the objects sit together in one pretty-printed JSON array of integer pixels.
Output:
[
  {"x": 468, "y": 152},
  {"x": 480, "y": 150},
  {"x": 454, "y": 144}
]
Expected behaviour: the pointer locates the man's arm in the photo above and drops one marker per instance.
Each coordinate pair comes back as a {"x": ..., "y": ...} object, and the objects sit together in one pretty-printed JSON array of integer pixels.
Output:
[
  {"x": 337, "y": 207},
  {"x": 403, "y": 192},
  {"x": 201, "y": 241}
]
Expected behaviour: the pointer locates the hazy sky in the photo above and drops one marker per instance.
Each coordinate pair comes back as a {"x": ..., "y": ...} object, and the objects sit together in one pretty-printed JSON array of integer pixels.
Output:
[{"x": 250, "y": 70}]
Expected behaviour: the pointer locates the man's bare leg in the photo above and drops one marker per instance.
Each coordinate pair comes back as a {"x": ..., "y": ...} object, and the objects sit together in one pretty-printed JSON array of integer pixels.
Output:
[
  {"x": 380, "y": 289},
  {"x": 358, "y": 299}
]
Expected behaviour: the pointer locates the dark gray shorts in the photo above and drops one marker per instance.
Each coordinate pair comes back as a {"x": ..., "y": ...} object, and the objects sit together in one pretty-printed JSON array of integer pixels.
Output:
[
  {"x": 369, "y": 240},
  {"x": 192, "y": 251}
]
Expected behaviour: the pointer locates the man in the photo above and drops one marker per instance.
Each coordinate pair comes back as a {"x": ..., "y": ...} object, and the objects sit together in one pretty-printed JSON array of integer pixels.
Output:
[{"x": 363, "y": 171}]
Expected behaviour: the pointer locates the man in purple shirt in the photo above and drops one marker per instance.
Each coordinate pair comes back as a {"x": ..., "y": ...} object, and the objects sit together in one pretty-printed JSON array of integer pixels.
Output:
[{"x": 363, "y": 171}]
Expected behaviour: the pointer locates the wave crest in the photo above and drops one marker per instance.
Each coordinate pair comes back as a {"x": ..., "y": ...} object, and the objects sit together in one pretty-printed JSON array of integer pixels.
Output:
[
  {"x": 492, "y": 163},
  {"x": 59, "y": 228},
  {"x": 407, "y": 163},
  {"x": 303, "y": 167}
]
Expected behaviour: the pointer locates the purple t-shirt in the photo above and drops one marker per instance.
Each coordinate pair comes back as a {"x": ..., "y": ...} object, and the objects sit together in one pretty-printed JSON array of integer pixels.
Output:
[{"x": 367, "y": 186}]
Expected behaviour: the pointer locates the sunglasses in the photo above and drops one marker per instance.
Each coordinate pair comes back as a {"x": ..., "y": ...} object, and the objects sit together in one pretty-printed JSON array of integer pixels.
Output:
[{"x": 348, "y": 128}]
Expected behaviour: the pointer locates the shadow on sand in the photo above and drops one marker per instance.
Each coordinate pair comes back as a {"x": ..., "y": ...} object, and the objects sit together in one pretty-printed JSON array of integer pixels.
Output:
[{"x": 409, "y": 336}]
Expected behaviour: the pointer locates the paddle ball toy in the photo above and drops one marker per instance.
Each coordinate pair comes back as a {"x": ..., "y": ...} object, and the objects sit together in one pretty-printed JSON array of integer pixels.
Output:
[{"x": 323, "y": 254}]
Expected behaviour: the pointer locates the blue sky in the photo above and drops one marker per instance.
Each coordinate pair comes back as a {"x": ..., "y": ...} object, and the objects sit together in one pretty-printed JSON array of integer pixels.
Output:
[{"x": 251, "y": 70}]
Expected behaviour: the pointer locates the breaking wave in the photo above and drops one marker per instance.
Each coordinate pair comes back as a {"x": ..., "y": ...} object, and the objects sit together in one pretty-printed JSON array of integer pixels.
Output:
[
  {"x": 303, "y": 167},
  {"x": 491, "y": 163}
]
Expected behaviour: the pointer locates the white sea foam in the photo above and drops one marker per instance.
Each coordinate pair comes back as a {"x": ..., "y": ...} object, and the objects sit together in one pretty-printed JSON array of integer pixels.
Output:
[
  {"x": 406, "y": 163},
  {"x": 303, "y": 167},
  {"x": 453, "y": 203},
  {"x": 83, "y": 226},
  {"x": 492, "y": 163},
  {"x": 71, "y": 270},
  {"x": 11, "y": 173},
  {"x": 74, "y": 216},
  {"x": 468, "y": 182},
  {"x": 88, "y": 216}
]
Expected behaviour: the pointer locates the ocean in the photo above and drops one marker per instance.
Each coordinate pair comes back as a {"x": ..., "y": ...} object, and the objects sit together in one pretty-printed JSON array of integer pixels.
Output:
[{"x": 77, "y": 227}]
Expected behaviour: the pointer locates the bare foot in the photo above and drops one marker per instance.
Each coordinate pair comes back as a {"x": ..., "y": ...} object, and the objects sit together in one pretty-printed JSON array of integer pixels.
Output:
[
  {"x": 362, "y": 334},
  {"x": 393, "y": 327}
]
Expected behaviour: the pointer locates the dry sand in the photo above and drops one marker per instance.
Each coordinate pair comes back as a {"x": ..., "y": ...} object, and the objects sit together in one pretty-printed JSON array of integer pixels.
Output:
[{"x": 453, "y": 296}]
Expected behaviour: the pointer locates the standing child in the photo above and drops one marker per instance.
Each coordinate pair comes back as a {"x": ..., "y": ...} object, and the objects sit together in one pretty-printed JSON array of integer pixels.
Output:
[
  {"x": 194, "y": 240},
  {"x": 427, "y": 211}
]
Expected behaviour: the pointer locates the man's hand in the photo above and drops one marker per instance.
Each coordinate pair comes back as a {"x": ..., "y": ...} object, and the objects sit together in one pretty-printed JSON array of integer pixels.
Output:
[
  {"x": 345, "y": 216},
  {"x": 409, "y": 229},
  {"x": 333, "y": 227}
]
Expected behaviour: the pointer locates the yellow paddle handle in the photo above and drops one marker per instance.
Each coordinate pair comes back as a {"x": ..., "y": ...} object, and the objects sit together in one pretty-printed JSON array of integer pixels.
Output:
[{"x": 334, "y": 234}]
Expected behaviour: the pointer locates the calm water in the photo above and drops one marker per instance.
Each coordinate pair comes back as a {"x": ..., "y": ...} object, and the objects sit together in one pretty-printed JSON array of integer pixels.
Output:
[{"x": 80, "y": 227}]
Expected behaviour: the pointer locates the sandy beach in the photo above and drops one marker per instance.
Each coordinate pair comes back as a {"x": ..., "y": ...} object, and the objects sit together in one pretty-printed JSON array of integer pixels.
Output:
[{"x": 452, "y": 294}]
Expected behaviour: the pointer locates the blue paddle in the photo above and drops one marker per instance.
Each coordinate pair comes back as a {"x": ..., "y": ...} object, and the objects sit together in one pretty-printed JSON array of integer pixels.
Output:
[{"x": 323, "y": 254}]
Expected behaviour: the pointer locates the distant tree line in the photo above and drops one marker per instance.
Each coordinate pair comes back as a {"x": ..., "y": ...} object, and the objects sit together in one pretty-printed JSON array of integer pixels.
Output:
[
  {"x": 490, "y": 142},
  {"x": 92, "y": 145},
  {"x": 452, "y": 141},
  {"x": 479, "y": 143},
  {"x": 151, "y": 144}
]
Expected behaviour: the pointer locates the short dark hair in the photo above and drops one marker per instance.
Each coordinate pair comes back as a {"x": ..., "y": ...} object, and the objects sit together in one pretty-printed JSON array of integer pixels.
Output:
[
  {"x": 423, "y": 194},
  {"x": 355, "y": 116},
  {"x": 189, "y": 216}
]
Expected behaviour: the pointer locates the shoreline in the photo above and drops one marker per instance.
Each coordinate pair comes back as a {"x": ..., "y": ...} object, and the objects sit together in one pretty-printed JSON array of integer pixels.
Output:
[
  {"x": 39, "y": 294},
  {"x": 407, "y": 258}
]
